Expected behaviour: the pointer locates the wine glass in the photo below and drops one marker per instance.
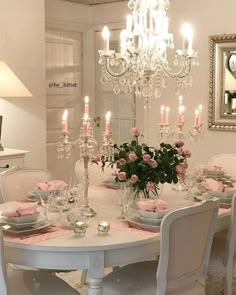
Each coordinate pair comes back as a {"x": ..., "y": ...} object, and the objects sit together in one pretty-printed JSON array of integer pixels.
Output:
[
  {"x": 75, "y": 189},
  {"x": 46, "y": 202},
  {"x": 60, "y": 199},
  {"x": 191, "y": 181}
]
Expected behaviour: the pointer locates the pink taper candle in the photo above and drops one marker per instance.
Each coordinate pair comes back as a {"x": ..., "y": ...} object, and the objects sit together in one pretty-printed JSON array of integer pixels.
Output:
[
  {"x": 181, "y": 115},
  {"x": 107, "y": 127},
  {"x": 64, "y": 122},
  {"x": 162, "y": 115},
  {"x": 180, "y": 100},
  {"x": 167, "y": 116},
  {"x": 86, "y": 106},
  {"x": 196, "y": 120},
  {"x": 86, "y": 125},
  {"x": 200, "y": 114}
]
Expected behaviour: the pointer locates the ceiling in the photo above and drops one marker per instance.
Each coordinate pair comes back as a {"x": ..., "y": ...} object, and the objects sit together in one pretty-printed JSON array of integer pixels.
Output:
[{"x": 95, "y": 2}]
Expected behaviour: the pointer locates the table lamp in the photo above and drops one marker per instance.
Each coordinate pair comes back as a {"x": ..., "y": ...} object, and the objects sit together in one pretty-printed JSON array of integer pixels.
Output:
[{"x": 10, "y": 86}]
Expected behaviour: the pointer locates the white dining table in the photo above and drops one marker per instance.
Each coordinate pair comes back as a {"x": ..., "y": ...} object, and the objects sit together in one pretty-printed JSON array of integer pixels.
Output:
[{"x": 94, "y": 252}]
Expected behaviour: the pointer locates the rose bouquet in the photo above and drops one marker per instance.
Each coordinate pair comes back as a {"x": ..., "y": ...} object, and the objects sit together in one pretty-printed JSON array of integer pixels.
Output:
[{"x": 144, "y": 167}]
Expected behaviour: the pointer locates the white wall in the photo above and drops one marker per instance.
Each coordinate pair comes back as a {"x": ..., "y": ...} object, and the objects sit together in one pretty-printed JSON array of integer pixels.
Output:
[
  {"x": 208, "y": 18},
  {"x": 22, "y": 43}
]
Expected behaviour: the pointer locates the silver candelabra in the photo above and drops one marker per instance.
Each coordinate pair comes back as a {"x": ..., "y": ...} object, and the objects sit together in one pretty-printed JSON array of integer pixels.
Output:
[
  {"x": 87, "y": 145},
  {"x": 180, "y": 132}
]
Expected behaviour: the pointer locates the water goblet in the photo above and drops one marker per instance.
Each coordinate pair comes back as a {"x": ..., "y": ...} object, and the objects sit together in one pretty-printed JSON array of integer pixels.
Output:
[
  {"x": 46, "y": 202},
  {"x": 190, "y": 180},
  {"x": 60, "y": 199}
]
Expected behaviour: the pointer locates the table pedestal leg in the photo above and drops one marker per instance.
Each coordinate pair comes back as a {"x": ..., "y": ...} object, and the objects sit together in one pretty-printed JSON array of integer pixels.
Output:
[
  {"x": 95, "y": 287},
  {"x": 96, "y": 273}
]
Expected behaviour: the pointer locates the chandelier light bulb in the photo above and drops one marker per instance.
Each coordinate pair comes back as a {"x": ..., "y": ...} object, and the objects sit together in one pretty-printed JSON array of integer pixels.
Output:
[{"x": 105, "y": 33}]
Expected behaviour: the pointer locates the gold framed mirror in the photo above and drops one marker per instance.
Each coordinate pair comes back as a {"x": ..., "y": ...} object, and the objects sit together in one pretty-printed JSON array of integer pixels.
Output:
[{"x": 222, "y": 83}]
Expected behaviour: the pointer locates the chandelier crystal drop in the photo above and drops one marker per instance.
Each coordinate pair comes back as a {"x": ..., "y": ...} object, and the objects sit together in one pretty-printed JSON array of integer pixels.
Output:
[{"x": 142, "y": 65}]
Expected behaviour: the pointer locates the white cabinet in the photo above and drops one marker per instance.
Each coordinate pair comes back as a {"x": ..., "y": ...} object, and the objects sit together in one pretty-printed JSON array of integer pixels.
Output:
[{"x": 11, "y": 157}]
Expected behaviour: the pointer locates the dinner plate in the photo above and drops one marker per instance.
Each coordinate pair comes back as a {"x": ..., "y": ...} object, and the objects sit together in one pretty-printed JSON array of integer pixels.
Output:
[
  {"x": 152, "y": 215},
  {"x": 23, "y": 225},
  {"x": 38, "y": 226},
  {"x": 135, "y": 222},
  {"x": 150, "y": 221},
  {"x": 221, "y": 195}
]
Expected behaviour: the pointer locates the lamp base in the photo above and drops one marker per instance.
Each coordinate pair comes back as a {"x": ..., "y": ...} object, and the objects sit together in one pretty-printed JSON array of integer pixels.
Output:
[{"x": 1, "y": 147}]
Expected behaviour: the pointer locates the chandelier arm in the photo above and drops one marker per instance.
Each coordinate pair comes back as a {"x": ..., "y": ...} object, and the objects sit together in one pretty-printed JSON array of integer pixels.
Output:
[
  {"x": 182, "y": 73},
  {"x": 113, "y": 74}
]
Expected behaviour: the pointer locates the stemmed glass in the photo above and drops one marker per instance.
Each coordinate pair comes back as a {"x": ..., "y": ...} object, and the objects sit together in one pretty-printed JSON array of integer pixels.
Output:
[
  {"x": 190, "y": 180},
  {"x": 60, "y": 199},
  {"x": 75, "y": 189},
  {"x": 123, "y": 199},
  {"x": 46, "y": 202}
]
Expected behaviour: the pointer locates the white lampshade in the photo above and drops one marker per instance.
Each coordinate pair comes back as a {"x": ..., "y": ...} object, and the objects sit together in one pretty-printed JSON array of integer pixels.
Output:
[{"x": 10, "y": 84}]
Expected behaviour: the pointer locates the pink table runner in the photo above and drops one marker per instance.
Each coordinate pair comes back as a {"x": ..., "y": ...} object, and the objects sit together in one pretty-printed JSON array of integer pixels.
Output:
[
  {"x": 123, "y": 225},
  {"x": 36, "y": 237}
]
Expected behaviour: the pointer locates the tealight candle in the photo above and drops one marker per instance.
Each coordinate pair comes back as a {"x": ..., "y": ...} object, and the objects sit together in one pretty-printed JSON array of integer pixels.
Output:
[
  {"x": 103, "y": 227},
  {"x": 80, "y": 227}
]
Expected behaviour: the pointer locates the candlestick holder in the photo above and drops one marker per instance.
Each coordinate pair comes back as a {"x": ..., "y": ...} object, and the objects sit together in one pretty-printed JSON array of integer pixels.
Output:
[
  {"x": 87, "y": 145},
  {"x": 181, "y": 132},
  {"x": 64, "y": 146},
  {"x": 107, "y": 148}
]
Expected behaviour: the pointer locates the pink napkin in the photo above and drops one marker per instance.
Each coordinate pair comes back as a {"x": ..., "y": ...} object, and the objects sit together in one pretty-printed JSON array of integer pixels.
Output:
[
  {"x": 230, "y": 189},
  {"x": 211, "y": 168},
  {"x": 52, "y": 185},
  {"x": 23, "y": 209},
  {"x": 153, "y": 205},
  {"x": 213, "y": 185}
]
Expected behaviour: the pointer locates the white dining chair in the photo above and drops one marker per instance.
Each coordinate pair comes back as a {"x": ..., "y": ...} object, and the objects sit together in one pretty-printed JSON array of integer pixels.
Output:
[
  {"x": 186, "y": 238},
  {"x": 30, "y": 282},
  {"x": 16, "y": 182},
  {"x": 223, "y": 260},
  {"x": 227, "y": 161}
]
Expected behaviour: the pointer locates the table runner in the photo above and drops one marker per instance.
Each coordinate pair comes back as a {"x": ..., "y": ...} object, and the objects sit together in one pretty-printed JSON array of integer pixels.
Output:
[{"x": 38, "y": 237}]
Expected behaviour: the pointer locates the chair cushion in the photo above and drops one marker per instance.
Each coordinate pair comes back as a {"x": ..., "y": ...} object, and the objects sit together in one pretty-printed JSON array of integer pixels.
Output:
[
  {"x": 140, "y": 279},
  {"x": 37, "y": 282}
]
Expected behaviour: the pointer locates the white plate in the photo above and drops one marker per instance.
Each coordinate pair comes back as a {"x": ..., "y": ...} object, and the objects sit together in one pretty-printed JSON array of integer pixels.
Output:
[
  {"x": 150, "y": 221},
  {"x": 24, "y": 225},
  {"x": 221, "y": 195},
  {"x": 134, "y": 222},
  {"x": 153, "y": 215},
  {"x": 22, "y": 219},
  {"x": 38, "y": 226}
]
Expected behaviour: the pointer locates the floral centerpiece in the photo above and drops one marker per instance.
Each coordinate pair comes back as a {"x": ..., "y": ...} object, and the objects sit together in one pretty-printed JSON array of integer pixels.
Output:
[{"x": 144, "y": 167}]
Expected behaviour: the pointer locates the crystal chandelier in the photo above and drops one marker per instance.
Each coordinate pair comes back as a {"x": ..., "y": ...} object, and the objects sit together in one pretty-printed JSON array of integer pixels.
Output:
[{"x": 142, "y": 65}]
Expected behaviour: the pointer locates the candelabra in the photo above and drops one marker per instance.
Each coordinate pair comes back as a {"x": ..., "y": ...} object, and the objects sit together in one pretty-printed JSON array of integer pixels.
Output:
[
  {"x": 107, "y": 148},
  {"x": 180, "y": 132},
  {"x": 142, "y": 64},
  {"x": 64, "y": 146},
  {"x": 87, "y": 145}
]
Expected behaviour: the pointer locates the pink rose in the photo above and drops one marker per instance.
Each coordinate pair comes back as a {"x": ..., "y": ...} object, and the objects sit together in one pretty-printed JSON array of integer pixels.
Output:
[
  {"x": 132, "y": 157},
  {"x": 146, "y": 158},
  {"x": 187, "y": 153},
  {"x": 150, "y": 186},
  {"x": 121, "y": 176},
  {"x": 134, "y": 179},
  {"x": 135, "y": 131},
  {"x": 122, "y": 162},
  {"x": 181, "y": 168},
  {"x": 179, "y": 144},
  {"x": 153, "y": 163}
]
